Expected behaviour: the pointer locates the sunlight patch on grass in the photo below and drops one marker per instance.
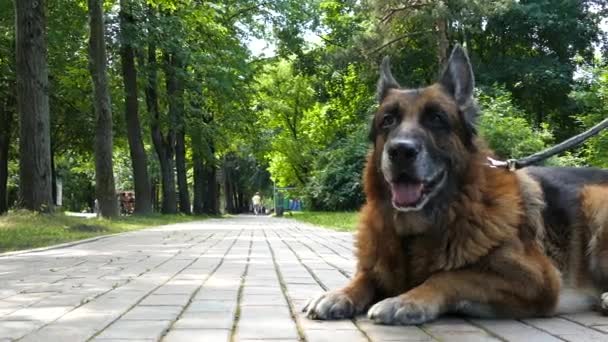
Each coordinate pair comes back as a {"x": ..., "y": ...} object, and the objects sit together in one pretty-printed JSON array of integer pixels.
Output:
[
  {"x": 23, "y": 229},
  {"x": 341, "y": 221}
]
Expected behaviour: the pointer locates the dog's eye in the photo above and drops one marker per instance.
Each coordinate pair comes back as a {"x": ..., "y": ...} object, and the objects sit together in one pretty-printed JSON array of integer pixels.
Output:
[
  {"x": 436, "y": 119},
  {"x": 388, "y": 120}
]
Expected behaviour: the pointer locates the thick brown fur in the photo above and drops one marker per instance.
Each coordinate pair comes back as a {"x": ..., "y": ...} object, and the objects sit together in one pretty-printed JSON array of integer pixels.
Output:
[
  {"x": 486, "y": 249},
  {"x": 490, "y": 247}
]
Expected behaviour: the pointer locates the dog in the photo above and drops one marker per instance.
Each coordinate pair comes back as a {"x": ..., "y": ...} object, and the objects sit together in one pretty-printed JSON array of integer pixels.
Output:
[{"x": 444, "y": 232}]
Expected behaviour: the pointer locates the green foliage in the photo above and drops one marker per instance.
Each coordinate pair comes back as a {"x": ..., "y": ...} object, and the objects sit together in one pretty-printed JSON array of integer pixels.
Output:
[
  {"x": 300, "y": 116},
  {"x": 336, "y": 182},
  {"x": 537, "y": 41},
  {"x": 572, "y": 159},
  {"x": 592, "y": 96},
  {"x": 510, "y": 135},
  {"x": 285, "y": 104},
  {"x": 504, "y": 127},
  {"x": 318, "y": 146},
  {"x": 532, "y": 47}
]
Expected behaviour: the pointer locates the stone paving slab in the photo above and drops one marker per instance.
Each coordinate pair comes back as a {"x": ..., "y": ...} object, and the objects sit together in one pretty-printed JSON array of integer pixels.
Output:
[{"x": 237, "y": 279}]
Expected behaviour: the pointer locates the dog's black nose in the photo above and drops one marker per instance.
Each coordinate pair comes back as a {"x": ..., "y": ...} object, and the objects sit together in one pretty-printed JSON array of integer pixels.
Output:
[{"x": 403, "y": 150}]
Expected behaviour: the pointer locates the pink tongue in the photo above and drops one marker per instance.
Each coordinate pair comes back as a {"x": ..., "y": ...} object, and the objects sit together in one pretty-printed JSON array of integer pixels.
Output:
[{"x": 405, "y": 195}]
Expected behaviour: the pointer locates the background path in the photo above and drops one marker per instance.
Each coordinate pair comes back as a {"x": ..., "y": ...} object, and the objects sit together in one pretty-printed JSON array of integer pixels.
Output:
[{"x": 239, "y": 279}]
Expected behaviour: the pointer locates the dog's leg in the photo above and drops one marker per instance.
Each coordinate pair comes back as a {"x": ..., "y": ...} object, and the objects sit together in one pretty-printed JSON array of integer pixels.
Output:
[
  {"x": 595, "y": 212},
  {"x": 511, "y": 287},
  {"x": 343, "y": 303}
]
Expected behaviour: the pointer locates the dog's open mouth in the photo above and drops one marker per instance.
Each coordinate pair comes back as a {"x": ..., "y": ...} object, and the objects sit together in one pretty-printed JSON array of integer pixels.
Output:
[{"x": 410, "y": 195}]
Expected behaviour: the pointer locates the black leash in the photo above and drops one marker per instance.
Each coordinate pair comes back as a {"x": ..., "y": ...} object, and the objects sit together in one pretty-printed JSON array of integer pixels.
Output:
[{"x": 515, "y": 164}]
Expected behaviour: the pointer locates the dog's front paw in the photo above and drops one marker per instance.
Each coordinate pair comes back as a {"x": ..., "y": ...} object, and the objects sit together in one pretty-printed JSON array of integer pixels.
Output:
[
  {"x": 330, "y": 305},
  {"x": 402, "y": 310}
]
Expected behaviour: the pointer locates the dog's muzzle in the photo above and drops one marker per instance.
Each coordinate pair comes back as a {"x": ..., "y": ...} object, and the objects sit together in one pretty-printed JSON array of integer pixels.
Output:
[{"x": 414, "y": 178}]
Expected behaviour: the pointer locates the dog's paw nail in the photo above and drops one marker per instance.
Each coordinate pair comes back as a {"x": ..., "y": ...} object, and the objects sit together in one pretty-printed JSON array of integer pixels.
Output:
[
  {"x": 331, "y": 305},
  {"x": 399, "y": 310}
]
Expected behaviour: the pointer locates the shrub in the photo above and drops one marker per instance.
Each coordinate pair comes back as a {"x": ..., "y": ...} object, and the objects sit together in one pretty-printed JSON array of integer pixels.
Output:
[
  {"x": 335, "y": 182},
  {"x": 505, "y": 128}
]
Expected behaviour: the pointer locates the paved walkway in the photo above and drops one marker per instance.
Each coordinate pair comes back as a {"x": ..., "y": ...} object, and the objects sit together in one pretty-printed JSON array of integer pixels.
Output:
[{"x": 239, "y": 279}]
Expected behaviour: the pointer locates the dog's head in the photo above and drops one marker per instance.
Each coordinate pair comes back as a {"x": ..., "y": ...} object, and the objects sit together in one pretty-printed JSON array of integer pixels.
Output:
[{"x": 423, "y": 138}]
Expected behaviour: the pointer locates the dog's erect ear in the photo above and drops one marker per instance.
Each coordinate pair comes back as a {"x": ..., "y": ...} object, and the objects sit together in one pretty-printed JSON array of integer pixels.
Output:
[
  {"x": 458, "y": 76},
  {"x": 386, "y": 81},
  {"x": 459, "y": 81}
]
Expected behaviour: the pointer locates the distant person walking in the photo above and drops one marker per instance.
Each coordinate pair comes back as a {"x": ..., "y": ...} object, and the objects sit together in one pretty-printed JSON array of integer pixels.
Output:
[{"x": 256, "y": 200}]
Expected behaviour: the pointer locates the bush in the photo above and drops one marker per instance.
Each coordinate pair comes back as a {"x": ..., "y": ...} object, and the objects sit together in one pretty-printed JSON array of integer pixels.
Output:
[
  {"x": 336, "y": 180},
  {"x": 592, "y": 96},
  {"x": 510, "y": 135},
  {"x": 505, "y": 128}
]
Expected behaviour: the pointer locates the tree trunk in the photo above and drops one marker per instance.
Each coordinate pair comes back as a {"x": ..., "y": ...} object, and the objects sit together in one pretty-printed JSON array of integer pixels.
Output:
[
  {"x": 199, "y": 174},
  {"x": 156, "y": 194},
  {"x": 162, "y": 145},
  {"x": 210, "y": 201},
  {"x": 175, "y": 93},
  {"x": 198, "y": 188},
  {"x": 211, "y": 186},
  {"x": 242, "y": 207},
  {"x": 139, "y": 160},
  {"x": 6, "y": 123},
  {"x": 540, "y": 117},
  {"x": 442, "y": 41},
  {"x": 53, "y": 176},
  {"x": 167, "y": 171},
  {"x": 33, "y": 105},
  {"x": 235, "y": 199},
  {"x": 104, "y": 176},
  {"x": 228, "y": 192},
  {"x": 182, "y": 179}
]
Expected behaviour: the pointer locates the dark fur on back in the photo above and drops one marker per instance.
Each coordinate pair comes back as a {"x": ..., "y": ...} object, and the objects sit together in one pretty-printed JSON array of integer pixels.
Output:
[{"x": 562, "y": 189}]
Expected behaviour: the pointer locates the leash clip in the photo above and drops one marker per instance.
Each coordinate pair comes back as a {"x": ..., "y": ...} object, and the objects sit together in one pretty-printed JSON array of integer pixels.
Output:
[{"x": 510, "y": 164}]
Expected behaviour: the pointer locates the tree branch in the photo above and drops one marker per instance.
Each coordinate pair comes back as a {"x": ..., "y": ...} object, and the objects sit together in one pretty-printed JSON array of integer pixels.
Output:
[
  {"x": 247, "y": 9},
  {"x": 392, "y": 11},
  {"x": 331, "y": 42},
  {"x": 390, "y": 42}
]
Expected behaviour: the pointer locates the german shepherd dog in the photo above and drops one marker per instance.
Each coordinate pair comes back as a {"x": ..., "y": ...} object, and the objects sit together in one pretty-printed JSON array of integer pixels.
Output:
[{"x": 443, "y": 232}]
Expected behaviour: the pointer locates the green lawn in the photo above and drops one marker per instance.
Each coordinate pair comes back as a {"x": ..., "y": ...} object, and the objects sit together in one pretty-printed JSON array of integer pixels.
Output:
[
  {"x": 342, "y": 221},
  {"x": 23, "y": 229}
]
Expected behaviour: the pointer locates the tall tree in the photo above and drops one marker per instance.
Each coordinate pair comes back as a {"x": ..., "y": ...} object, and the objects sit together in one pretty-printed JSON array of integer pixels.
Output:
[
  {"x": 180, "y": 165},
  {"x": 228, "y": 184},
  {"x": 104, "y": 176},
  {"x": 7, "y": 99},
  {"x": 534, "y": 47},
  {"x": 163, "y": 143},
  {"x": 204, "y": 186},
  {"x": 210, "y": 188},
  {"x": 285, "y": 102},
  {"x": 139, "y": 160},
  {"x": 204, "y": 170},
  {"x": 204, "y": 183},
  {"x": 6, "y": 123},
  {"x": 33, "y": 105},
  {"x": 174, "y": 70},
  {"x": 198, "y": 176}
]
